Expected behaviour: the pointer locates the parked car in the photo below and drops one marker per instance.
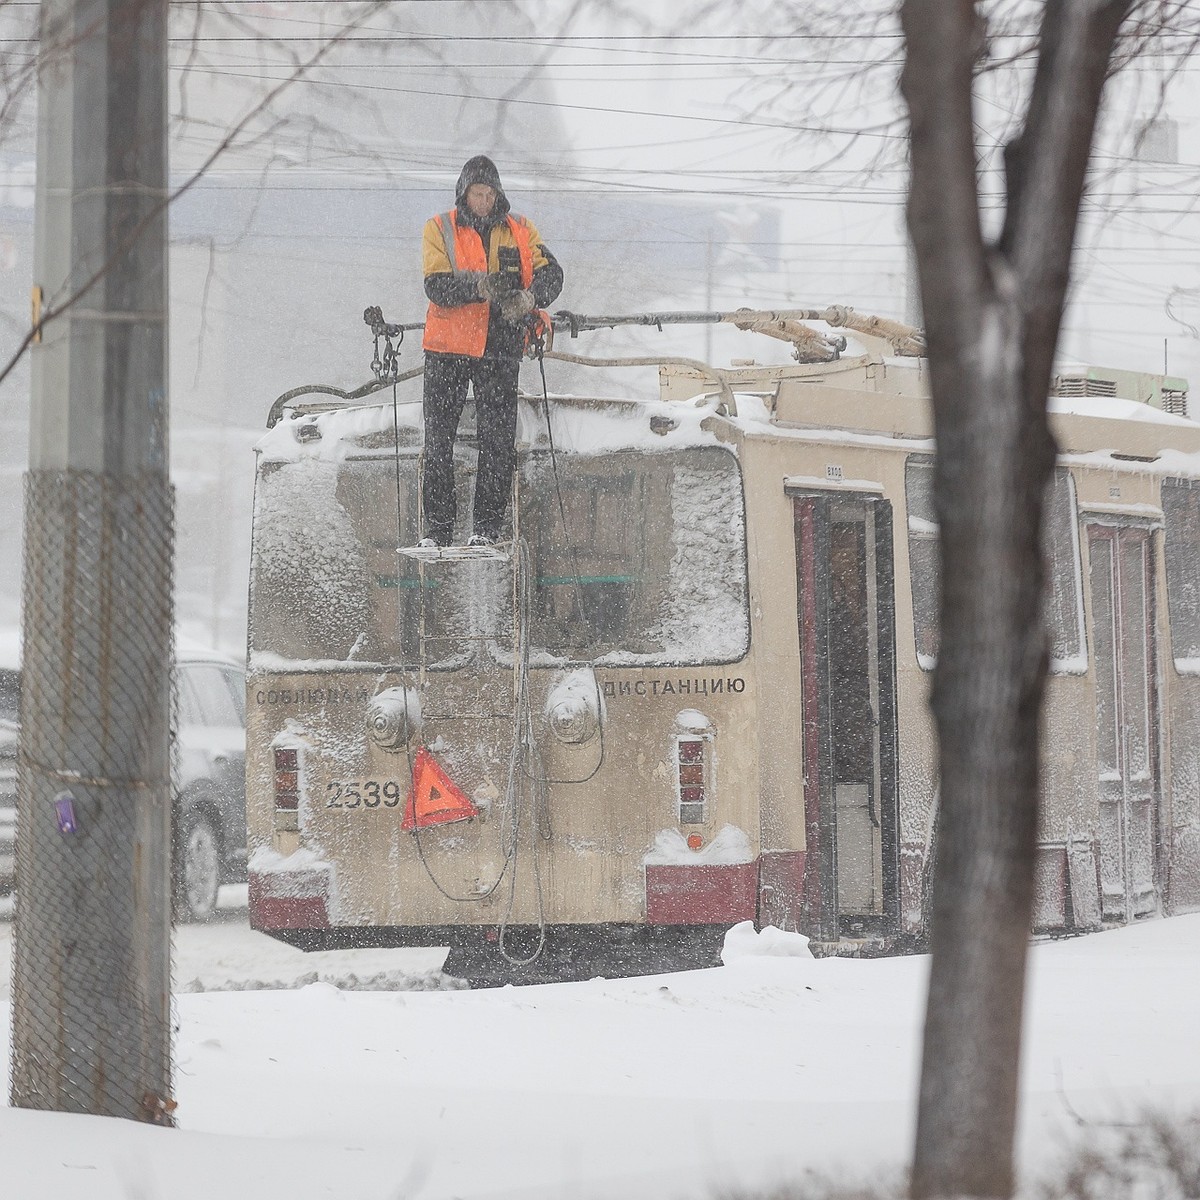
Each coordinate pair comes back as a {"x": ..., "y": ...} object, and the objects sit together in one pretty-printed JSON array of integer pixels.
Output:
[
  {"x": 10, "y": 694},
  {"x": 210, "y": 798},
  {"x": 210, "y": 793}
]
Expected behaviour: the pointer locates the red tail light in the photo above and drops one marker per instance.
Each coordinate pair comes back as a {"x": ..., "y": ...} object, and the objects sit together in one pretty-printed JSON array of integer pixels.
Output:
[
  {"x": 287, "y": 780},
  {"x": 691, "y": 781}
]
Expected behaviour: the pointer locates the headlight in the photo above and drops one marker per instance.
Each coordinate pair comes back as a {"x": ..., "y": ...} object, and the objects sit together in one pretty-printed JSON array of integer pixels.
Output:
[
  {"x": 394, "y": 717},
  {"x": 571, "y": 721},
  {"x": 573, "y": 707}
]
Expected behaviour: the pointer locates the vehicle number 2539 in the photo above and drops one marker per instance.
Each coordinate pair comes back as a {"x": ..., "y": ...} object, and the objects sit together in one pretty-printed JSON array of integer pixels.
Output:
[{"x": 362, "y": 793}]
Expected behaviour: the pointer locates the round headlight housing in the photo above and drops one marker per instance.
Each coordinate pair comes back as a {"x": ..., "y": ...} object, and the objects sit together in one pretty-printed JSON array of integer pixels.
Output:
[
  {"x": 394, "y": 717},
  {"x": 574, "y": 708},
  {"x": 572, "y": 720}
]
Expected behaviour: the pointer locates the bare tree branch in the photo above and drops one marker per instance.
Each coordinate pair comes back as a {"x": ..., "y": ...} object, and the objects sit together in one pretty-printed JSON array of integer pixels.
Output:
[
  {"x": 1047, "y": 164},
  {"x": 943, "y": 40},
  {"x": 230, "y": 137}
]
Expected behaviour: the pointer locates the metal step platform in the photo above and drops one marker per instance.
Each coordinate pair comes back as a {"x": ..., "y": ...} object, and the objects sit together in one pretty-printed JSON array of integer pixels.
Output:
[{"x": 501, "y": 551}]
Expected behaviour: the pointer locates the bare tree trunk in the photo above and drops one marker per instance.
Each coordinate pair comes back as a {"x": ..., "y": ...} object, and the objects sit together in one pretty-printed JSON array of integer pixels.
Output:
[
  {"x": 992, "y": 317},
  {"x": 993, "y": 465}
]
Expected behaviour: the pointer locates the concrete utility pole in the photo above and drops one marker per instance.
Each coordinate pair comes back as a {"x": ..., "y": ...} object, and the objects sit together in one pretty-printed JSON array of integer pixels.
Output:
[{"x": 91, "y": 978}]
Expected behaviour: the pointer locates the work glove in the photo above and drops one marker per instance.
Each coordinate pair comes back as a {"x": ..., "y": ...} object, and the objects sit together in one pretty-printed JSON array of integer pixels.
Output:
[
  {"x": 516, "y": 305},
  {"x": 494, "y": 288}
]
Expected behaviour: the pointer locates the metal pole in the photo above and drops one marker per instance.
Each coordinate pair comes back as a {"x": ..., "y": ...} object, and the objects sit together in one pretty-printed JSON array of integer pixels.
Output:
[
  {"x": 913, "y": 314},
  {"x": 91, "y": 976},
  {"x": 708, "y": 295}
]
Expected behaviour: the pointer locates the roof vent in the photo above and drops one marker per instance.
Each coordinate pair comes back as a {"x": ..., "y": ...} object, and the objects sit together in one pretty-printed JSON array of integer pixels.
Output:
[
  {"x": 1084, "y": 385},
  {"x": 1175, "y": 401}
]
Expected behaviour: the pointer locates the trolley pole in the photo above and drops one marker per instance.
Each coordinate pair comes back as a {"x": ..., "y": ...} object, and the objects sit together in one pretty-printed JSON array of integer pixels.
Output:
[{"x": 91, "y": 976}]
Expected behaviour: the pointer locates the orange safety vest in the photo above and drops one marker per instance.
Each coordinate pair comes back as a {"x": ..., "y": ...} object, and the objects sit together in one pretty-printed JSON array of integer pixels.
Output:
[{"x": 463, "y": 330}]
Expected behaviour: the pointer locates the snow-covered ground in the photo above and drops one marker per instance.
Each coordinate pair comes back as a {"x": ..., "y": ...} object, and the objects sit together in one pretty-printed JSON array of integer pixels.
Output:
[{"x": 669, "y": 1086}]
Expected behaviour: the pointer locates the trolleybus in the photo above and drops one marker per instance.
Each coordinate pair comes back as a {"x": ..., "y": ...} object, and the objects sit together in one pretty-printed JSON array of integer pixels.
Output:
[{"x": 694, "y": 689}]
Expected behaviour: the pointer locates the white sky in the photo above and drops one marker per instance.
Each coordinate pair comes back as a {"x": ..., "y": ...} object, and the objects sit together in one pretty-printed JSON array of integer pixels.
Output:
[{"x": 843, "y": 234}]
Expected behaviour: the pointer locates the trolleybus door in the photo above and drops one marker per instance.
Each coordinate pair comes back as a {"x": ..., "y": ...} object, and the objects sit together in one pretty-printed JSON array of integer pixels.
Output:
[
  {"x": 1126, "y": 716},
  {"x": 847, "y": 664}
]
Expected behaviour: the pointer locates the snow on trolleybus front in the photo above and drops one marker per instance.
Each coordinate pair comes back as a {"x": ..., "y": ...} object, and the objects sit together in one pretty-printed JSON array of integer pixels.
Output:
[{"x": 692, "y": 689}]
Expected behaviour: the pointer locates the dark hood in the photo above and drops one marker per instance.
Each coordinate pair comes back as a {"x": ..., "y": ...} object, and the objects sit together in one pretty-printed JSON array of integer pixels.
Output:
[{"x": 481, "y": 169}]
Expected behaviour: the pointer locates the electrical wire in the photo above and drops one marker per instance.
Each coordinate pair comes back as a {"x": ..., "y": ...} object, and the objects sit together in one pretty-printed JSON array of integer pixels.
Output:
[
  {"x": 539, "y": 352},
  {"x": 396, "y": 378},
  {"x": 527, "y": 779},
  {"x": 523, "y": 750},
  {"x": 558, "y": 106},
  {"x": 562, "y": 511}
]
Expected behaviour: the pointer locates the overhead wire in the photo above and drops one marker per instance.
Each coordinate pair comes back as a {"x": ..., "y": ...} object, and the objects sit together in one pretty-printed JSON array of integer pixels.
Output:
[
  {"x": 790, "y": 127},
  {"x": 585, "y": 623}
]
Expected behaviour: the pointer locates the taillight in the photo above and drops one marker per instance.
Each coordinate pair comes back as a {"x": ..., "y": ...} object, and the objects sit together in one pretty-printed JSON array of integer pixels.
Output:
[
  {"x": 287, "y": 780},
  {"x": 691, "y": 770}
]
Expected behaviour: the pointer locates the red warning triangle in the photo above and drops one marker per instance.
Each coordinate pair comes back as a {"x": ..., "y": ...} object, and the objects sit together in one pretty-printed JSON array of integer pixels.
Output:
[{"x": 434, "y": 799}]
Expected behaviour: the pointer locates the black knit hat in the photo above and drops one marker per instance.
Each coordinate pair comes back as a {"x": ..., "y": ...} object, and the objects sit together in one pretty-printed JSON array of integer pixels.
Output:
[{"x": 481, "y": 169}]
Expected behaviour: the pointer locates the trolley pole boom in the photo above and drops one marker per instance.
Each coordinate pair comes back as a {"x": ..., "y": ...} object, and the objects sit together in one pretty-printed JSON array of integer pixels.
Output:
[{"x": 785, "y": 324}]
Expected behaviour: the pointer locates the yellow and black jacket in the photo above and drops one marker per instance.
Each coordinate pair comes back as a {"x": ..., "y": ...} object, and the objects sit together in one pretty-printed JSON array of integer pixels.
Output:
[{"x": 457, "y": 248}]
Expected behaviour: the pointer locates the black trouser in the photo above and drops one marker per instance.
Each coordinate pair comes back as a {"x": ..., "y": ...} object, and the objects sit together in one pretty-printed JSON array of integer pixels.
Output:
[{"x": 494, "y": 385}]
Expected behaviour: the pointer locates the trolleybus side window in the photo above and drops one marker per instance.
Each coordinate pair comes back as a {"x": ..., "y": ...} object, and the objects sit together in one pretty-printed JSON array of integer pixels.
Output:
[
  {"x": 1181, "y": 512},
  {"x": 924, "y": 558},
  {"x": 1063, "y": 598}
]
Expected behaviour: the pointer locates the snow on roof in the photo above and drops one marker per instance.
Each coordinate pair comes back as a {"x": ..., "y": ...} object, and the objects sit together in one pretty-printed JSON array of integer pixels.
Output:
[
  {"x": 1115, "y": 409},
  {"x": 600, "y": 427},
  {"x": 579, "y": 426},
  {"x": 596, "y": 425},
  {"x": 339, "y": 429}
]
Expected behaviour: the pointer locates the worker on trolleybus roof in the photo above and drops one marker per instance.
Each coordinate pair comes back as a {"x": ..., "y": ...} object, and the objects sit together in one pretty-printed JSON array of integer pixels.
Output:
[{"x": 486, "y": 272}]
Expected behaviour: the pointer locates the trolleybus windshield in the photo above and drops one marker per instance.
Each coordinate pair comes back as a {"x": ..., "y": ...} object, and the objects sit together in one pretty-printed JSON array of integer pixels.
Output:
[{"x": 649, "y": 568}]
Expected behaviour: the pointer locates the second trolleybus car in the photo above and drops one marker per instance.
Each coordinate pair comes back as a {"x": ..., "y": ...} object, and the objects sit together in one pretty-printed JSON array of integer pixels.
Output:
[{"x": 694, "y": 690}]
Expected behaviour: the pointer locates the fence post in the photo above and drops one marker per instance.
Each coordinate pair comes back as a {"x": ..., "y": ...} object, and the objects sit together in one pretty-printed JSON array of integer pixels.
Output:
[{"x": 91, "y": 972}]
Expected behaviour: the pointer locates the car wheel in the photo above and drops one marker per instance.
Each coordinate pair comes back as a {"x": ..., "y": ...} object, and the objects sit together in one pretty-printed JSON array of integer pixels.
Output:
[{"x": 200, "y": 869}]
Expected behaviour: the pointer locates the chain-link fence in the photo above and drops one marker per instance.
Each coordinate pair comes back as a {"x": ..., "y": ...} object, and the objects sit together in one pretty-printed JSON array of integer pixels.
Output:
[{"x": 91, "y": 971}]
